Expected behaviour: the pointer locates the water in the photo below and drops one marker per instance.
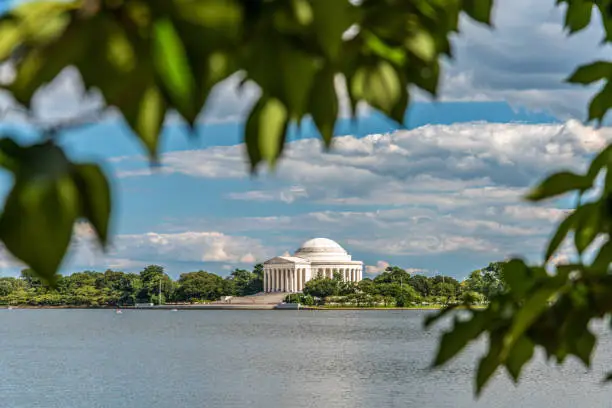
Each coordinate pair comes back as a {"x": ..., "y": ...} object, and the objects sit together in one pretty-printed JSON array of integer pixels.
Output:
[{"x": 155, "y": 359}]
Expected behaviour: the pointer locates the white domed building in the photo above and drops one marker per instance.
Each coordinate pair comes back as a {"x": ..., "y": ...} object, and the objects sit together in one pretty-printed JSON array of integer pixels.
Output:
[{"x": 318, "y": 256}]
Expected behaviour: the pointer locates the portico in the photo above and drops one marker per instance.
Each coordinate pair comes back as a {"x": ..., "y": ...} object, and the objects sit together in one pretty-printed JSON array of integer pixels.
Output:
[{"x": 316, "y": 257}]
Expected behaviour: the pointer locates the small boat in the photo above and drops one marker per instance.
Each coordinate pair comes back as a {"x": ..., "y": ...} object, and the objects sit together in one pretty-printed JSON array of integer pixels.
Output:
[
  {"x": 175, "y": 310},
  {"x": 118, "y": 311}
]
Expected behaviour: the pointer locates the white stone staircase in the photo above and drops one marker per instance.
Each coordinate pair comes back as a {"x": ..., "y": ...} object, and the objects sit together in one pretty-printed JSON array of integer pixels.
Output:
[{"x": 256, "y": 299}]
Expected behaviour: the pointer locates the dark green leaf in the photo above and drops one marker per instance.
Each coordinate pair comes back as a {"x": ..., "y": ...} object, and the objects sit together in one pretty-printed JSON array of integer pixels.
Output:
[
  {"x": 10, "y": 37},
  {"x": 431, "y": 319},
  {"x": 40, "y": 211},
  {"x": 557, "y": 184},
  {"x": 11, "y": 154},
  {"x": 585, "y": 343},
  {"x": 146, "y": 118},
  {"x": 599, "y": 162},
  {"x": 265, "y": 131},
  {"x": 479, "y": 10},
  {"x": 588, "y": 226},
  {"x": 578, "y": 15},
  {"x": 489, "y": 363},
  {"x": 516, "y": 275},
  {"x": 519, "y": 356},
  {"x": 423, "y": 45},
  {"x": 324, "y": 104},
  {"x": 587, "y": 74},
  {"x": 331, "y": 20},
  {"x": 562, "y": 230},
  {"x": 380, "y": 86},
  {"x": 41, "y": 65},
  {"x": 533, "y": 307},
  {"x": 601, "y": 103},
  {"x": 95, "y": 196},
  {"x": 461, "y": 334},
  {"x": 604, "y": 258},
  {"x": 172, "y": 67}
]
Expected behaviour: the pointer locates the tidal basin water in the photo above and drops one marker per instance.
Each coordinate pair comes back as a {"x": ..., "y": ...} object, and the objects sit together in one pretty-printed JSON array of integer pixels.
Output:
[{"x": 162, "y": 359}]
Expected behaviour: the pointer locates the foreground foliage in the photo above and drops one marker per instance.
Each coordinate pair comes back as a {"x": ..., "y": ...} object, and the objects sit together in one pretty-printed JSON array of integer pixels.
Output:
[{"x": 150, "y": 57}]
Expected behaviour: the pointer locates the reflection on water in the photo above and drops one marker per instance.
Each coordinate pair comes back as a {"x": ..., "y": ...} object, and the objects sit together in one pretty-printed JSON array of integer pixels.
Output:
[{"x": 151, "y": 359}]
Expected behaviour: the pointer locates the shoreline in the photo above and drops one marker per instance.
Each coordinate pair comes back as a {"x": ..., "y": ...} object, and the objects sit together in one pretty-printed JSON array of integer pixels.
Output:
[{"x": 218, "y": 307}]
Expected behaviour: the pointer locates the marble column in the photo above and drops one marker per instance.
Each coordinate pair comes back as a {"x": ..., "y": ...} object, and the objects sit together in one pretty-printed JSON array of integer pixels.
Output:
[
  {"x": 286, "y": 280},
  {"x": 276, "y": 280}
]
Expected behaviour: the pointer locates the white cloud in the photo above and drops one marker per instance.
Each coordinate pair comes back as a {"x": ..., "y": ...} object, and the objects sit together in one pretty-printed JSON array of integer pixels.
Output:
[
  {"x": 378, "y": 268},
  {"x": 432, "y": 190},
  {"x": 523, "y": 59},
  {"x": 134, "y": 251}
]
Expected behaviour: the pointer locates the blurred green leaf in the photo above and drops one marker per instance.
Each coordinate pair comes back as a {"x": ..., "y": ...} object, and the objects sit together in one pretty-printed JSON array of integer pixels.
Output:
[
  {"x": 146, "y": 117},
  {"x": 603, "y": 258},
  {"x": 533, "y": 307},
  {"x": 461, "y": 334},
  {"x": 265, "y": 131},
  {"x": 562, "y": 230},
  {"x": 324, "y": 103},
  {"x": 557, "y": 184},
  {"x": 36, "y": 225},
  {"x": 519, "y": 356},
  {"x": 603, "y": 159},
  {"x": 601, "y": 103},
  {"x": 588, "y": 226},
  {"x": 587, "y": 74},
  {"x": 578, "y": 15},
  {"x": 41, "y": 65},
  {"x": 585, "y": 343},
  {"x": 331, "y": 20},
  {"x": 95, "y": 196},
  {"x": 516, "y": 275},
  {"x": 433, "y": 318},
  {"x": 489, "y": 363},
  {"x": 380, "y": 86},
  {"x": 10, "y": 37},
  {"x": 479, "y": 10},
  {"x": 172, "y": 67}
]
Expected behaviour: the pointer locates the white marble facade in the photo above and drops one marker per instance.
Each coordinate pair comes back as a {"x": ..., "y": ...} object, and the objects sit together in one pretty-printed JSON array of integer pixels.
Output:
[{"x": 318, "y": 256}]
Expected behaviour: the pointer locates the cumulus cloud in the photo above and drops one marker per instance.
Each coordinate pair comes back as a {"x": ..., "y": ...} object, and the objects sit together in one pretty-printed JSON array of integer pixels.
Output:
[
  {"x": 378, "y": 268},
  {"x": 432, "y": 190},
  {"x": 524, "y": 59},
  {"x": 134, "y": 251}
]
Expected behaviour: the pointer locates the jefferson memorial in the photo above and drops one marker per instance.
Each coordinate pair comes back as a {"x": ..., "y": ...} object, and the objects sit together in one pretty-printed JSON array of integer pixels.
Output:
[{"x": 318, "y": 256}]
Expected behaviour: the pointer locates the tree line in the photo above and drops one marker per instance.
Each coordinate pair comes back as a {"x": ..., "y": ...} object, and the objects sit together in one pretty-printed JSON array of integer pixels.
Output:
[
  {"x": 393, "y": 287},
  {"x": 396, "y": 287},
  {"x": 115, "y": 288}
]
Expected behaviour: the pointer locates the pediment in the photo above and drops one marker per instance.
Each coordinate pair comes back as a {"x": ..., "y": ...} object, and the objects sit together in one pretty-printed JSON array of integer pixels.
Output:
[{"x": 286, "y": 260}]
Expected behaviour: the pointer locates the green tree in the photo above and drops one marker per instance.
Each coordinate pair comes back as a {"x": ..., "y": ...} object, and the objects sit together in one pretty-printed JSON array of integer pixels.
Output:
[
  {"x": 422, "y": 284},
  {"x": 244, "y": 283},
  {"x": 393, "y": 274},
  {"x": 194, "y": 286},
  {"x": 153, "y": 277},
  {"x": 321, "y": 287}
]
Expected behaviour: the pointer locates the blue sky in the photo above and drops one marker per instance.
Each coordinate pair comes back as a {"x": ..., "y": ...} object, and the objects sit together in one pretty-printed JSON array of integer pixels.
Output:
[{"x": 442, "y": 196}]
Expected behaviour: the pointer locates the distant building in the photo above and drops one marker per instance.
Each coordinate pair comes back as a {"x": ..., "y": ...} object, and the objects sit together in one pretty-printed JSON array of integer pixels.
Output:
[{"x": 318, "y": 256}]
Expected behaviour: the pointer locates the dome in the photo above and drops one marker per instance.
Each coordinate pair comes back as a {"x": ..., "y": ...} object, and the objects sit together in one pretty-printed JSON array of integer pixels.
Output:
[{"x": 322, "y": 249}]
